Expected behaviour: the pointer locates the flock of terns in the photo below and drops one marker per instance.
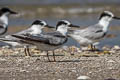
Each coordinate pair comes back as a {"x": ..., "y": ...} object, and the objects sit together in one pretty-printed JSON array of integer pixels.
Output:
[{"x": 49, "y": 41}]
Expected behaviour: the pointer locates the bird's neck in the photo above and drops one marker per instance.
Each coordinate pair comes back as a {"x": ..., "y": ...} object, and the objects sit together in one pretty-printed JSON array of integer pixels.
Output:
[
  {"x": 62, "y": 30},
  {"x": 4, "y": 20},
  {"x": 105, "y": 24},
  {"x": 36, "y": 29}
]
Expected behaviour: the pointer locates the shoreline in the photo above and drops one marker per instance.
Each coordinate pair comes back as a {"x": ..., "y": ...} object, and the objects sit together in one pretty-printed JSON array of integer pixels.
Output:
[{"x": 68, "y": 67}]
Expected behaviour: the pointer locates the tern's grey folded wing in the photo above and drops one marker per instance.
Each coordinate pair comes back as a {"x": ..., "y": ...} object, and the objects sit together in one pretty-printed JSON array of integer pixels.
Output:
[
  {"x": 24, "y": 32},
  {"x": 10, "y": 38},
  {"x": 92, "y": 32},
  {"x": 49, "y": 38}
]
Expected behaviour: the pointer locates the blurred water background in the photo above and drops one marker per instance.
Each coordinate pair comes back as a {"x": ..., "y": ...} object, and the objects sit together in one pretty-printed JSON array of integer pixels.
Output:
[{"x": 79, "y": 12}]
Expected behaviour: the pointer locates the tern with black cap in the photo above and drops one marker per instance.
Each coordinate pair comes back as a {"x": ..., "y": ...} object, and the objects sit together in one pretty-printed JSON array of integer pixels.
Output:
[
  {"x": 4, "y": 14},
  {"x": 35, "y": 28},
  {"x": 49, "y": 41},
  {"x": 93, "y": 34}
]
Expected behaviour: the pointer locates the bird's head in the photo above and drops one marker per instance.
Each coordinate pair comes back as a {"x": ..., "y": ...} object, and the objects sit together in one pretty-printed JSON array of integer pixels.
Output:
[
  {"x": 6, "y": 11},
  {"x": 63, "y": 26},
  {"x": 107, "y": 16}
]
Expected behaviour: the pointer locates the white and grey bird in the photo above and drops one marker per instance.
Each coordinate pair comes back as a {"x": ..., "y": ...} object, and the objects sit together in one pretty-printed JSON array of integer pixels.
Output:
[
  {"x": 35, "y": 28},
  {"x": 4, "y": 14},
  {"x": 93, "y": 34},
  {"x": 49, "y": 41}
]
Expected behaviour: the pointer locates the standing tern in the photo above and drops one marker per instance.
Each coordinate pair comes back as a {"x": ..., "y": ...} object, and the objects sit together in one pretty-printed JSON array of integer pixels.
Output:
[
  {"x": 4, "y": 14},
  {"x": 93, "y": 34},
  {"x": 49, "y": 41},
  {"x": 36, "y": 28}
]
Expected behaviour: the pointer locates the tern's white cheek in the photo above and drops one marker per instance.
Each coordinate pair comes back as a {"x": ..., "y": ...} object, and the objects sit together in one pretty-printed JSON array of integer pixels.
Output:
[
  {"x": 4, "y": 19},
  {"x": 7, "y": 13},
  {"x": 108, "y": 18},
  {"x": 62, "y": 29},
  {"x": 40, "y": 27},
  {"x": 36, "y": 29}
]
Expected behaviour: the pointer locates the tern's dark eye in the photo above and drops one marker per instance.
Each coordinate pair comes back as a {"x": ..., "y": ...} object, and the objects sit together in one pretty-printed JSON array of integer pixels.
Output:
[{"x": 41, "y": 24}]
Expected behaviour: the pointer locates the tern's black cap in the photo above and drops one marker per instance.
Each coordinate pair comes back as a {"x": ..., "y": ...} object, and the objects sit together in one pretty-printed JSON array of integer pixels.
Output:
[
  {"x": 106, "y": 13},
  {"x": 39, "y": 22},
  {"x": 5, "y": 9},
  {"x": 62, "y": 22}
]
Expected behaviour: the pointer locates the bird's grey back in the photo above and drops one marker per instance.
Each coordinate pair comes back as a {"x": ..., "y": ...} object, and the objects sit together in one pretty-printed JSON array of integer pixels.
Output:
[
  {"x": 12, "y": 38},
  {"x": 24, "y": 32},
  {"x": 55, "y": 38},
  {"x": 91, "y": 32},
  {"x": 52, "y": 38}
]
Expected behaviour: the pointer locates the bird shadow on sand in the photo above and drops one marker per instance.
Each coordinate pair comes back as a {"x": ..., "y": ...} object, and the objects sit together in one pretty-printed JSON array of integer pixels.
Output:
[
  {"x": 64, "y": 61},
  {"x": 110, "y": 79},
  {"x": 30, "y": 56},
  {"x": 45, "y": 55}
]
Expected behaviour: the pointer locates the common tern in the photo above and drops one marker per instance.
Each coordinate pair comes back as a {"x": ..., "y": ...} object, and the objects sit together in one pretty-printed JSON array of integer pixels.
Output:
[
  {"x": 4, "y": 14},
  {"x": 35, "y": 28},
  {"x": 94, "y": 33},
  {"x": 49, "y": 41}
]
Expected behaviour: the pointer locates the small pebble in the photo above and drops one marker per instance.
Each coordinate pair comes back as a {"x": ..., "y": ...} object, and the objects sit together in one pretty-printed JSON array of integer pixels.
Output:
[
  {"x": 83, "y": 78},
  {"x": 116, "y": 47},
  {"x": 20, "y": 60},
  {"x": 111, "y": 61},
  {"x": 65, "y": 47},
  {"x": 27, "y": 56},
  {"x": 1, "y": 59},
  {"x": 106, "y": 47},
  {"x": 6, "y": 47},
  {"x": 84, "y": 48}
]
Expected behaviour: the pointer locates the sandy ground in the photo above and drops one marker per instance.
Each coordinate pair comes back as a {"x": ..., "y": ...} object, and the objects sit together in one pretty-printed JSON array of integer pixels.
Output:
[{"x": 90, "y": 65}]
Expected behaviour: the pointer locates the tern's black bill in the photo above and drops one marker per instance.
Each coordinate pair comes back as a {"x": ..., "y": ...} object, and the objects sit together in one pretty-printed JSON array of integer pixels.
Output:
[
  {"x": 12, "y": 12},
  {"x": 49, "y": 26},
  {"x": 116, "y": 17},
  {"x": 72, "y": 25}
]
